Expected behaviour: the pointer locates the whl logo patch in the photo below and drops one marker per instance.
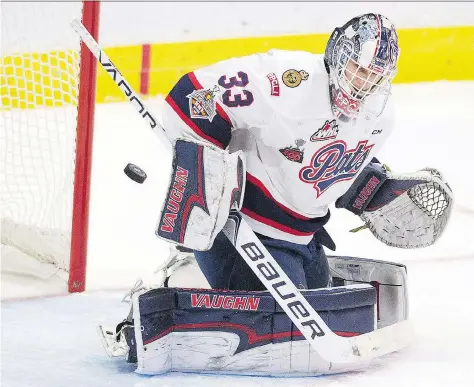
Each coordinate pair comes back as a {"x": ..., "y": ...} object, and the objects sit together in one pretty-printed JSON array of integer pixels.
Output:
[
  {"x": 334, "y": 163},
  {"x": 328, "y": 131}
]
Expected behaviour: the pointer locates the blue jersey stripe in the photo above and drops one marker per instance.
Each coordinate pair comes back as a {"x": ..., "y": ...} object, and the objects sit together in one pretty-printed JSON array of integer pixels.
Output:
[{"x": 256, "y": 202}]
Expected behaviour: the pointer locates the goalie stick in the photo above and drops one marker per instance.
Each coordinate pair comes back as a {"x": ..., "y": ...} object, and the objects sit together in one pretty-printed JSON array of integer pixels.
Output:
[{"x": 354, "y": 352}]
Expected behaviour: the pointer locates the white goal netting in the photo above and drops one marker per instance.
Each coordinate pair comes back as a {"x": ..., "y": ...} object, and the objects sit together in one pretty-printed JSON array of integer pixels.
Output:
[{"x": 39, "y": 70}]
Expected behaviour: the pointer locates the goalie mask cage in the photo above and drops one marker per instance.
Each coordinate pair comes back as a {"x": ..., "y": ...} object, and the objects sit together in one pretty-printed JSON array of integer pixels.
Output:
[{"x": 48, "y": 86}]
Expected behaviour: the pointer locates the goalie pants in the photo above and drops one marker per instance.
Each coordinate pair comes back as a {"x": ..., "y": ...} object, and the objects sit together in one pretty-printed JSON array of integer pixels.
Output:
[{"x": 224, "y": 268}]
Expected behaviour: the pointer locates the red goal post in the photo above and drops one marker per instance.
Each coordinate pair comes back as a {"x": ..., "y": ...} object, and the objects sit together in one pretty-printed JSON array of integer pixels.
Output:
[
  {"x": 48, "y": 88},
  {"x": 83, "y": 165}
]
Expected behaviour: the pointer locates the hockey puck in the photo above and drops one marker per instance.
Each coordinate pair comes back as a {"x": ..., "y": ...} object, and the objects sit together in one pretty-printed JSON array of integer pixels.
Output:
[{"x": 135, "y": 173}]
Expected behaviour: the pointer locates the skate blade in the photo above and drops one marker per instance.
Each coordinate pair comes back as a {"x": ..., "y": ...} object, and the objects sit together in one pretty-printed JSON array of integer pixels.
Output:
[{"x": 112, "y": 347}]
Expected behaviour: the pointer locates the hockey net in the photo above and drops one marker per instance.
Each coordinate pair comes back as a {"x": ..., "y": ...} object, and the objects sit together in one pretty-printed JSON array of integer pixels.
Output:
[{"x": 47, "y": 105}]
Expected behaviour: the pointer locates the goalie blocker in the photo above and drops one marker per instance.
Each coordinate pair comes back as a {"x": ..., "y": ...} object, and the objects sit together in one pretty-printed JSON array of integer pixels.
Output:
[
  {"x": 247, "y": 332},
  {"x": 206, "y": 183}
]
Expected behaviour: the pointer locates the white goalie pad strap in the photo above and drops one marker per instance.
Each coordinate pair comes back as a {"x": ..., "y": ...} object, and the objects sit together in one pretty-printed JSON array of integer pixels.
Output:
[
  {"x": 418, "y": 216},
  {"x": 389, "y": 279},
  {"x": 114, "y": 345},
  {"x": 205, "y": 185},
  {"x": 181, "y": 260}
]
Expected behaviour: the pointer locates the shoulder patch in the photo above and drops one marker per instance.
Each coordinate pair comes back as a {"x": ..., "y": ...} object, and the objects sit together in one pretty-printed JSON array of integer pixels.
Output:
[
  {"x": 202, "y": 103},
  {"x": 292, "y": 78}
]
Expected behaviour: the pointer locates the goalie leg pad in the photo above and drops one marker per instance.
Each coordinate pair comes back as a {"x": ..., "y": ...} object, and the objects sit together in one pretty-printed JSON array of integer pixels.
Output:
[
  {"x": 389, "y": 279},
  {"x": 206, "y": 183},
  {"x": 238, "y": 332}
]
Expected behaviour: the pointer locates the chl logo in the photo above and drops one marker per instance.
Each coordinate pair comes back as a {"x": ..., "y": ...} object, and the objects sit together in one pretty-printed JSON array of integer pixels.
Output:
[{"x": 334, "y": 163}]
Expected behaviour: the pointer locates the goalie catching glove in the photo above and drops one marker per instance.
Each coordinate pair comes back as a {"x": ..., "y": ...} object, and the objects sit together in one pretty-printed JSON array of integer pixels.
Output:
[
  {"x": 406, "y": 210},
  {"x": 206, "y": 183}
]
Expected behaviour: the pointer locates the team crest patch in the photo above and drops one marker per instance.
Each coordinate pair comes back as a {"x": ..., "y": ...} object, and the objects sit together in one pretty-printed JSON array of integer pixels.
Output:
[
  {"x": 202, "y": 103},
  {"x": 294, "y": 153},
  {"x": 328, "y": 131},
  {"x": 292, "y": 78}
]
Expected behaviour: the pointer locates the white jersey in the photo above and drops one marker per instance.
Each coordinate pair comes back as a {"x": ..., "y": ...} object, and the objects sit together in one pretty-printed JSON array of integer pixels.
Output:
[{"x": 276, "y": 108}]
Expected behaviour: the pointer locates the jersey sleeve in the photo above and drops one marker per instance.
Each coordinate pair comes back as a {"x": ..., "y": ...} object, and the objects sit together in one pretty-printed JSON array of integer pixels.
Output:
[{"x": 209, "y": 103}]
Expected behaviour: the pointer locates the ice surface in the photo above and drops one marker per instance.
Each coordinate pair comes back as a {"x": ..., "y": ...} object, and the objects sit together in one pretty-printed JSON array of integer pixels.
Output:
[{"x": 51, "y": 341}]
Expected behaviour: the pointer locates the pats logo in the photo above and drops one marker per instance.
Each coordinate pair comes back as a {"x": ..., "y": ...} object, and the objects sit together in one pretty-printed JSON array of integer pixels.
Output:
[
  {"x": 334, "y": 163},
  {"x": 328, "y": 131}
]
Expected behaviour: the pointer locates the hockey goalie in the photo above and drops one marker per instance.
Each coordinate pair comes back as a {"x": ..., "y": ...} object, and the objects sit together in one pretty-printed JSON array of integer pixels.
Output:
[{"x": 274, "y": 139}]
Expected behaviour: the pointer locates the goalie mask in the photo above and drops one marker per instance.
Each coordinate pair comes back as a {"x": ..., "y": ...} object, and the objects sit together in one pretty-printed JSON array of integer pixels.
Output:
[{"x": 361, "y": 57}]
